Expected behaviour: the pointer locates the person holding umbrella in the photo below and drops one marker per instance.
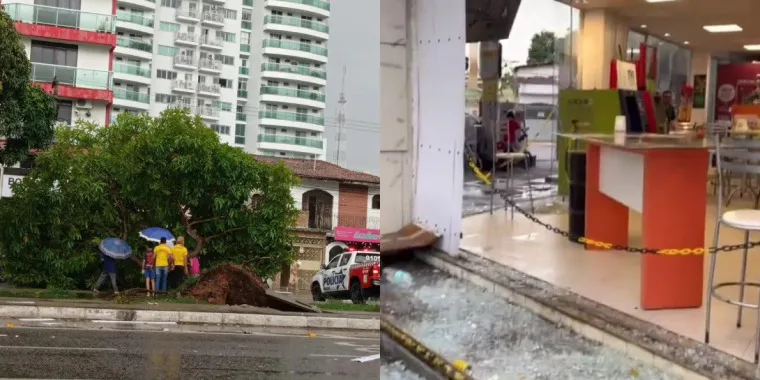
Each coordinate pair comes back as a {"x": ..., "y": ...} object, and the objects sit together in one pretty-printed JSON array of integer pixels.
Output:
[
  {"x": 163, "y": 255},
  {"x": 111, "y": 249}
]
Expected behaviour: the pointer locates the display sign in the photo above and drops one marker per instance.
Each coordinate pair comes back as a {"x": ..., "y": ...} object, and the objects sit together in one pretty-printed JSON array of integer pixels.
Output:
[
  {"x": 357, "y": 235},
  {"x": 736, "y": 84},
  {"x": 700, "y": 91},
  {"x": 626, "y": 75},
  {"x": 8, "y": 180}
]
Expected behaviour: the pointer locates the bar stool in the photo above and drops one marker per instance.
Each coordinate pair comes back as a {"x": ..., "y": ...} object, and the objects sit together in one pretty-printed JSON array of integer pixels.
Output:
[{"x": 734, "y": 155}]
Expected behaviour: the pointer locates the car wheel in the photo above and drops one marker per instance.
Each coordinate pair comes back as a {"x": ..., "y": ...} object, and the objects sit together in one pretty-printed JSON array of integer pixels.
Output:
[
  {"x": 316, "y": 292},
  {"x": 356, "y": 293}
]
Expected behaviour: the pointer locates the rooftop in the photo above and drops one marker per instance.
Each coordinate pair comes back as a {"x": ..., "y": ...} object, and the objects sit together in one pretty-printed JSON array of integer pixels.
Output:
[{"x": 321, "y": 170}]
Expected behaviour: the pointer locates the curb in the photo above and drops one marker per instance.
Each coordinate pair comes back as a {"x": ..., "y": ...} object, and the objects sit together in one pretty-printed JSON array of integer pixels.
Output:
[
  {"x": 510, "y": 291},
  {"x": 79, "y": 313}
]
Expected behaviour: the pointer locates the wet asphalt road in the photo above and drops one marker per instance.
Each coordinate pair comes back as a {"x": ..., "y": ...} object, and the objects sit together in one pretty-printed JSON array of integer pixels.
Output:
[{"x": 98, "y": 353}]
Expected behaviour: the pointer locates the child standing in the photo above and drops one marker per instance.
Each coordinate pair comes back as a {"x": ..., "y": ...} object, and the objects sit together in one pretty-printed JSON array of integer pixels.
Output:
[{"x": 149, "y": 269}]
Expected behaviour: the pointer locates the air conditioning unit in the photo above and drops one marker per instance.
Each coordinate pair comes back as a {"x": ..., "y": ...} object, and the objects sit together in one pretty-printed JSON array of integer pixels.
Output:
[{"x": 84, "y": 104}]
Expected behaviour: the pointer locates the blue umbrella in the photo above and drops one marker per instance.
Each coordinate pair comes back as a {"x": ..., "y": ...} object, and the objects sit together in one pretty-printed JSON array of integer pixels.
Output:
[
  {"x": 155, "y": 234},
  {"x": 115, "y": 248}
]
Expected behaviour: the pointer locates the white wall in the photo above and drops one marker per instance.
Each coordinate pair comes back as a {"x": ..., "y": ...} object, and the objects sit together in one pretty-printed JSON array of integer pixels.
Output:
[
  {"x": 331, "y": 187},
  {"x": 373, "y": 215},
  {"x": 600, "y": 35},
  {"x": 97, "y": 6},
  {"x": 97, "y": 113},
  {"x": 93, "y": 57}
]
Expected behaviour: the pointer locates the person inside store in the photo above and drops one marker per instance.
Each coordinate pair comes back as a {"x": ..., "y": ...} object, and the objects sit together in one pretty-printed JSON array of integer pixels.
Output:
[{"x": 665, "y": 112}]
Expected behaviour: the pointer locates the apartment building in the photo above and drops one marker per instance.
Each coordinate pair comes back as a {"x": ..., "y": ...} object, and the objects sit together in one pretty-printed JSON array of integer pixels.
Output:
[{"x": 253, "y": 70}]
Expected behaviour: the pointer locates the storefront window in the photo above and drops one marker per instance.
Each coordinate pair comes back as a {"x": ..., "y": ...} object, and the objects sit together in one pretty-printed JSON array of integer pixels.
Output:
[
  {"x": 635, "y": 40},
  {"x": 673, "y": 66}
]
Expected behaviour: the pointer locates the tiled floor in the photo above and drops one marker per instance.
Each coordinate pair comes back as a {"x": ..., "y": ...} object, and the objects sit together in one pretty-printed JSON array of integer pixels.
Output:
[{"x": 613, "y": 277}]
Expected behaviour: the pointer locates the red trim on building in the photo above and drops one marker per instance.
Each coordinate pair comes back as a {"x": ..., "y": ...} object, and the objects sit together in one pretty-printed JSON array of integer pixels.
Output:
[
  {"x": 65, "y": 34},
  {"x": 109, "y": 106},
  {"x": 71, "y": 92}
]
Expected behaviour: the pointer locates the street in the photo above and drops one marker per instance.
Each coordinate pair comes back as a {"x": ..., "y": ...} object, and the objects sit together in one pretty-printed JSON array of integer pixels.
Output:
[{"x": 42, "y": 349}]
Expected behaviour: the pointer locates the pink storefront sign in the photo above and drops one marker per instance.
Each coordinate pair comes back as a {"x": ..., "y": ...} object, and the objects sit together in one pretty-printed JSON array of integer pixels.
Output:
[{"x": 357, "y": 235}]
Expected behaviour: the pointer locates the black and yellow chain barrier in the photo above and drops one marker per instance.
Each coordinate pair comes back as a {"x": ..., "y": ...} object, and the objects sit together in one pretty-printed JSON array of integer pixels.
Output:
[
  {"x": 450, "y": 371},
  {"x": 647, "y": 251}
]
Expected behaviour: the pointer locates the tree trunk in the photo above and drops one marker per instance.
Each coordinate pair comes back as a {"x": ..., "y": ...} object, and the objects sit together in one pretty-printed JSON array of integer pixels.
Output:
[{"x": 284, "y": 277}]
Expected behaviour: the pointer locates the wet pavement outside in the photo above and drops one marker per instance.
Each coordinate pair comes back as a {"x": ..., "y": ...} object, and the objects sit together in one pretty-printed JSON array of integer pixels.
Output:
[
  {"x": 35, "y": 348},
  {"x": 476, "y": 196},
  {"x": 397, "y": 371},
  {"x": 500, "y": 340}
]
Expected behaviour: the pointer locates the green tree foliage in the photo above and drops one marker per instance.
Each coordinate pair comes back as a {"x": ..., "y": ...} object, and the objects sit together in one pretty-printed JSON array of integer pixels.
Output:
[
  {"x": 171, "y": 171},
  {"x": 541, "y": 49},
  {"x": 27, "y": 113}
]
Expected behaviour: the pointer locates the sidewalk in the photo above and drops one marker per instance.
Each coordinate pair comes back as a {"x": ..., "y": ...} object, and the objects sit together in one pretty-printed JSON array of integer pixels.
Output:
[{"x": 93, "y": 309}]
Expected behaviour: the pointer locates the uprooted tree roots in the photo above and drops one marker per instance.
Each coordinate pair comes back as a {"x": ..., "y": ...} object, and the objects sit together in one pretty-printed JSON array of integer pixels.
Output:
[{"x": 231, "y": 285}]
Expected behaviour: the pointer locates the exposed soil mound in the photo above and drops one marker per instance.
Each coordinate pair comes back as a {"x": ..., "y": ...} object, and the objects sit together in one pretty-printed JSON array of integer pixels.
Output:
[{"x": 231, "y": 285}]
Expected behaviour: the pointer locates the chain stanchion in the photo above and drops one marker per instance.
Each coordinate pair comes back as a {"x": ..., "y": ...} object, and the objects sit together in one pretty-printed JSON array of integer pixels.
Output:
[{"x": 604, "y": 245}]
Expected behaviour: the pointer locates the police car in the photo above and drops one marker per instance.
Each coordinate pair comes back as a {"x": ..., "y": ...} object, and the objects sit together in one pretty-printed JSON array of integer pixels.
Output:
[{"x": 352, "y": 274}]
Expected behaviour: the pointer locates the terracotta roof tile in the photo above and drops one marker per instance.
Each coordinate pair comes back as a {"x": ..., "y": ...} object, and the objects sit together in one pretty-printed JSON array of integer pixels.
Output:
[{"x": 320, "y": 170}]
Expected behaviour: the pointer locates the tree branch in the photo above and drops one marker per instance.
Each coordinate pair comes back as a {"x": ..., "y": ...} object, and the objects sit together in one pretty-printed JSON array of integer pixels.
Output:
[
  {"x": 206, "y": 220},
  {"x": 225, "y": 232}
]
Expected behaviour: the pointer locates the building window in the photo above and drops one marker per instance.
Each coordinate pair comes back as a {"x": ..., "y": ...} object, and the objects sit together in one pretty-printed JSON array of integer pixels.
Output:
[
  {"x": 168, "y": 26},
  {"x": 225, "y": 36},
  {"x": 166, "y": 74},
  {"x": 64, "y": 111},
  {"x": 165, "y": 98},
  {"x": 68, "y": 4},
  {"x": 225, "y": 59},
  {"x": 317, "y": 204},
  {"x": 240, "y": 134},
  {"x": 220, "y": 129},
  {"x": 230, "y": 14},
  {"x": 170, "y": 3},
  {"x": 169, "y": 51},
  {"x": 225, "y": 83},
  {"x": 54, "y": 54},
  {"x": 376, "y": 202},
  {"x": 223, "y": 106}
]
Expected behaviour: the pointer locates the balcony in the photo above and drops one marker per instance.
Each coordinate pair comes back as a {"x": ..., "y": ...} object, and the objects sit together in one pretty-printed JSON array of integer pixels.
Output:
[
  {"x": 74, "y": 82},
  {"x": 309, "y": 7},
  {"x": 131, "y": 73},
  {"x": 208, "y": 112},
  {"x": 131, "y": 99},
  {"x": 63, "y": 24},
  {"x": 242, "y": 94},
  {"x": 212, "y": 43},
  {"x": 146, "y": 5},
  {"x": 245, "y": 49},
  {"x": 183, "y": 86},
  {"x": 245, "y": 24},
  {"x": 241, "y": 117},
  {"x": 211, "y": 18},
  {"x": 185, "y": 38},
  {"x": 210, "y": 66},
  {"x": 295, "y": 49},
  {"x": 185, "y": 62},
  {"x": 242, "y": 70},
  {"x": 134, "y": 22},
  {"x": 134, "y": 48},
  {"x": 296, "y": 25},
  {"x": 293, "y": 96},
  {"x": 290, "y": 143},
  {"x": 248, "y": 3},
  {"x": 292, "y": 120},
  {"x": 294, "y": 73},
  {"x": 188, "y": 15},
  {"x": 217, "y": 2},
  {"x": 183, "y": 105},
  {"x": 209, "y": 89}
]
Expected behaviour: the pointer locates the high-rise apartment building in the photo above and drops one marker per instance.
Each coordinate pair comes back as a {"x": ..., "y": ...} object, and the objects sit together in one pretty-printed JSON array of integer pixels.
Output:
[{"x": 254, "y": 70}]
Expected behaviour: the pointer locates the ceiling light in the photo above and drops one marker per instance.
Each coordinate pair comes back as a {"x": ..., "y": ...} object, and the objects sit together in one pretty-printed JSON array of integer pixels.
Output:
[
  {"x": 755, "y": 47},
  {"x": 686, "y": 42},
  {"x": 728, "y": 28},
  {"x": 644, "y": 26},
  {"x": 667, "y": 34},
  {"x": 660, "y": 1}
]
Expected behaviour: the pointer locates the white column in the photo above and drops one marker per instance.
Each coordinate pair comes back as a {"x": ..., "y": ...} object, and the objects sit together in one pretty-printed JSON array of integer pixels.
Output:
[
  {"x": 601, "y": 33},
  {"x": 423, "y": 116}
]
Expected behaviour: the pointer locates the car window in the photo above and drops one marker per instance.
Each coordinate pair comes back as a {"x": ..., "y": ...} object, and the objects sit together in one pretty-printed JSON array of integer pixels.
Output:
[
  {"x": 334, "y": 262},
  {"x": 346, "y": 258}
]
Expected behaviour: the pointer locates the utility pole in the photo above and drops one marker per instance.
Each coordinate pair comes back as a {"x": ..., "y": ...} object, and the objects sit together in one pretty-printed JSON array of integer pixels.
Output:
[{"x": 340, "y": 153}]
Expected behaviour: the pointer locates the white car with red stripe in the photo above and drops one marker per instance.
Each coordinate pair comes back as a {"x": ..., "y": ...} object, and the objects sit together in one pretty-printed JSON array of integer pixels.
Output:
[{"x": 352, "y": 274}]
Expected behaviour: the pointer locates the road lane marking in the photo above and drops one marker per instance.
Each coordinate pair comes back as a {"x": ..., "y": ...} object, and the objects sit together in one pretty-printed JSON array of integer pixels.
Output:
[
  {"x": 135, "y": 322},
  {"x": 20, "y": 302},
  {"x": 57, "y": 348},
  {"x": 332, "y": 356},
  {"x": 36, "y": 319},
  {"x": 365, "y": 359}
]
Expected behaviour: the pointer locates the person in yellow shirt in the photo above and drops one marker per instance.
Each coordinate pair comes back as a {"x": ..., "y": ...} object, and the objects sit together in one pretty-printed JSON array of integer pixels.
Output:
[
  {"x": 163, "y": 254},
  {"x": 177, "y": 275}
]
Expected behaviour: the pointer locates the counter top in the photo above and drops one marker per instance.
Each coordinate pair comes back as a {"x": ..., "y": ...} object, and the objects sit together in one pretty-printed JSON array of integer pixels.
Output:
[{"x": 644, "y": 141}]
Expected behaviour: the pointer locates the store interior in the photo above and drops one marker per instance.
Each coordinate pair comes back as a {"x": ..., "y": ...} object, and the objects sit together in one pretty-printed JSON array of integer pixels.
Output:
[{"x": 706, "y": 54}]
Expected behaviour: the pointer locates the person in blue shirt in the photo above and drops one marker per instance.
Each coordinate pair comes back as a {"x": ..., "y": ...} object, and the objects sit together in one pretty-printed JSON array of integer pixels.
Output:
[{"x": 109, "y": 269}]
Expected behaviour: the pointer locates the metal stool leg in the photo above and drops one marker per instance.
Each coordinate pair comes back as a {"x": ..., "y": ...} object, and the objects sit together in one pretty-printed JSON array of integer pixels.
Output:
[
  {"x": 710, "y": 282},
  {"x": 757, "y": 337},
  {"x": 743, "y": 279}
]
